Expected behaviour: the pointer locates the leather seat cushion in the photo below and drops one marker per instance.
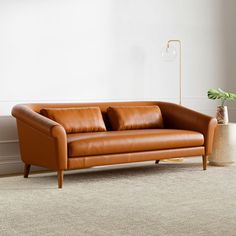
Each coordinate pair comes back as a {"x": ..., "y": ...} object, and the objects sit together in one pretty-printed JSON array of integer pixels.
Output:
[{"x": 113, "y": 142}]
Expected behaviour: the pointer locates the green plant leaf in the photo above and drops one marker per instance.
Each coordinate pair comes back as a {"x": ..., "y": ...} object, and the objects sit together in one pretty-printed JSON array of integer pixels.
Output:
[{"x": 221, "y": 94}]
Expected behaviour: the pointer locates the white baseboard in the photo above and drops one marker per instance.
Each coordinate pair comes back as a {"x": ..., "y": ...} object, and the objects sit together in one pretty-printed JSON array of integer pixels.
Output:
[{"x": 13, "y": 165}]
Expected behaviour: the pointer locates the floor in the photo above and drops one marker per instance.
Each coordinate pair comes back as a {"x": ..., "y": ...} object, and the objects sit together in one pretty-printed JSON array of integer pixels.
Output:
[{"x": 137, "y": 199}]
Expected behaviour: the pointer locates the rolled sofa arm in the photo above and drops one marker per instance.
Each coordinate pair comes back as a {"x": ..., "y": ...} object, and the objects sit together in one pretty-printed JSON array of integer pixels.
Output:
[
  {"x": 179, "y": 117},
  {"x": 43, "y": 141}
]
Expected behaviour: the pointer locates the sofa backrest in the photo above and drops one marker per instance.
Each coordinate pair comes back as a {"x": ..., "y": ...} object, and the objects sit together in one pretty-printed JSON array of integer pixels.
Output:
[{"x": 37, "y": 107}]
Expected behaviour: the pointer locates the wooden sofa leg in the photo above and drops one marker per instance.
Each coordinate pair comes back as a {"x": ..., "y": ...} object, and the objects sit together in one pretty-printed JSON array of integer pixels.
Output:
[
  {"x": 60, "y": 175},
  {"x": 26, "y": 170},
  {"x": 204, "y": 161},
  {"x": 157, "y": 161}
]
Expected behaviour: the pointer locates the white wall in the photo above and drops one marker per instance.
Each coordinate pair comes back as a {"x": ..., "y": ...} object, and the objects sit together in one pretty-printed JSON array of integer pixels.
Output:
[{"x": 90, "y": 50}]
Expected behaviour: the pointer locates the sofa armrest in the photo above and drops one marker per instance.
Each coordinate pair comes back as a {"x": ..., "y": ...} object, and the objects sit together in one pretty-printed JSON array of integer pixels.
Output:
[
  {"x": 43, "y": 141},
  {"x": 32, "y": 118},
  {"x": 179, "y": 117}
]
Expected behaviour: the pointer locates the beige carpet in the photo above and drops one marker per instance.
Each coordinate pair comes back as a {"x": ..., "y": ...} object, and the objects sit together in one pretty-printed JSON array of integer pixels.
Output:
[{"x": 145, "y": 199}]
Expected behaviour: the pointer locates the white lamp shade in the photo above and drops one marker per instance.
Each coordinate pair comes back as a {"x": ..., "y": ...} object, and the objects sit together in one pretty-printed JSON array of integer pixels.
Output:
[{"x": 169, "y": 53}]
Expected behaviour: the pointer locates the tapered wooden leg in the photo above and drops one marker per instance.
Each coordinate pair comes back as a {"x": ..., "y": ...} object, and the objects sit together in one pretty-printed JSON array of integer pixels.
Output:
[
  {"x": 204, "y": 161},
  {"x": 157, "y": 161},
  {"x": 60, "y": 175},
  {"x": 26, "y": 170}
]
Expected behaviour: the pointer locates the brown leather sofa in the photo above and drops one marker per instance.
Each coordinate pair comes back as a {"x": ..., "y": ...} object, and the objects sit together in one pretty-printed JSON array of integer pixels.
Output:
[{"x": 82, "y": 135}]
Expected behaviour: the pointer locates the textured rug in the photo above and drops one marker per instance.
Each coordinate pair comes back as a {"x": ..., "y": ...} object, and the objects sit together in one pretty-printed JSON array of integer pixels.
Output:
[{"x": 139, "y": 199}]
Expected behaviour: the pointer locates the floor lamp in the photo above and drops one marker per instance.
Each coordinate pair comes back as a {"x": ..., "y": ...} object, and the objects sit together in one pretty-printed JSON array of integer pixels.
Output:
[{"x": 170, "y": 54}]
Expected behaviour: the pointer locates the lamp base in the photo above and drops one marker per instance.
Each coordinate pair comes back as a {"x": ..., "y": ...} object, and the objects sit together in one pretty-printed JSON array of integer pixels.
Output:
[{"x": 173, "y": 160}]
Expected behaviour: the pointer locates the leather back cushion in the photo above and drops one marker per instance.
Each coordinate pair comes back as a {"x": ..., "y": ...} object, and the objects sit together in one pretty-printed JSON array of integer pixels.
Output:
[
  {"x": 135, "y": 117},
  {"x": 74, "y": 120}
]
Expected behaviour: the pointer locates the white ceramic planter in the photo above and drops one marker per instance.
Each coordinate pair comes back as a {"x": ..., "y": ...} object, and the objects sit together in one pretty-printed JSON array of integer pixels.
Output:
[{"x": 222, "y": 115}]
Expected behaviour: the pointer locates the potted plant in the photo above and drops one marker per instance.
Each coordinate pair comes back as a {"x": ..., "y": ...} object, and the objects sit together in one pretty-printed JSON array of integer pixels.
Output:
[{"x": 222, "y": 111}]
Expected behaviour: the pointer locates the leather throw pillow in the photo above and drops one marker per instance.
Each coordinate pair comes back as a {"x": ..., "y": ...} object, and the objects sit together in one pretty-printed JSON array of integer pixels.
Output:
[
  {"x": 75, "y": 120},
  {"x": 135, "y": 117}
]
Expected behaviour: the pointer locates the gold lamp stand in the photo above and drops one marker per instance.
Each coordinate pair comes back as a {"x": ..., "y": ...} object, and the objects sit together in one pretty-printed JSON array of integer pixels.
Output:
[{"x": 176, "y": 41}]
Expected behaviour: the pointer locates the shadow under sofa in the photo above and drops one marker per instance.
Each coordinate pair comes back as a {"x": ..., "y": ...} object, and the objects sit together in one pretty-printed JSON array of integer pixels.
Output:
[{"x": 81, "y": 135}]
